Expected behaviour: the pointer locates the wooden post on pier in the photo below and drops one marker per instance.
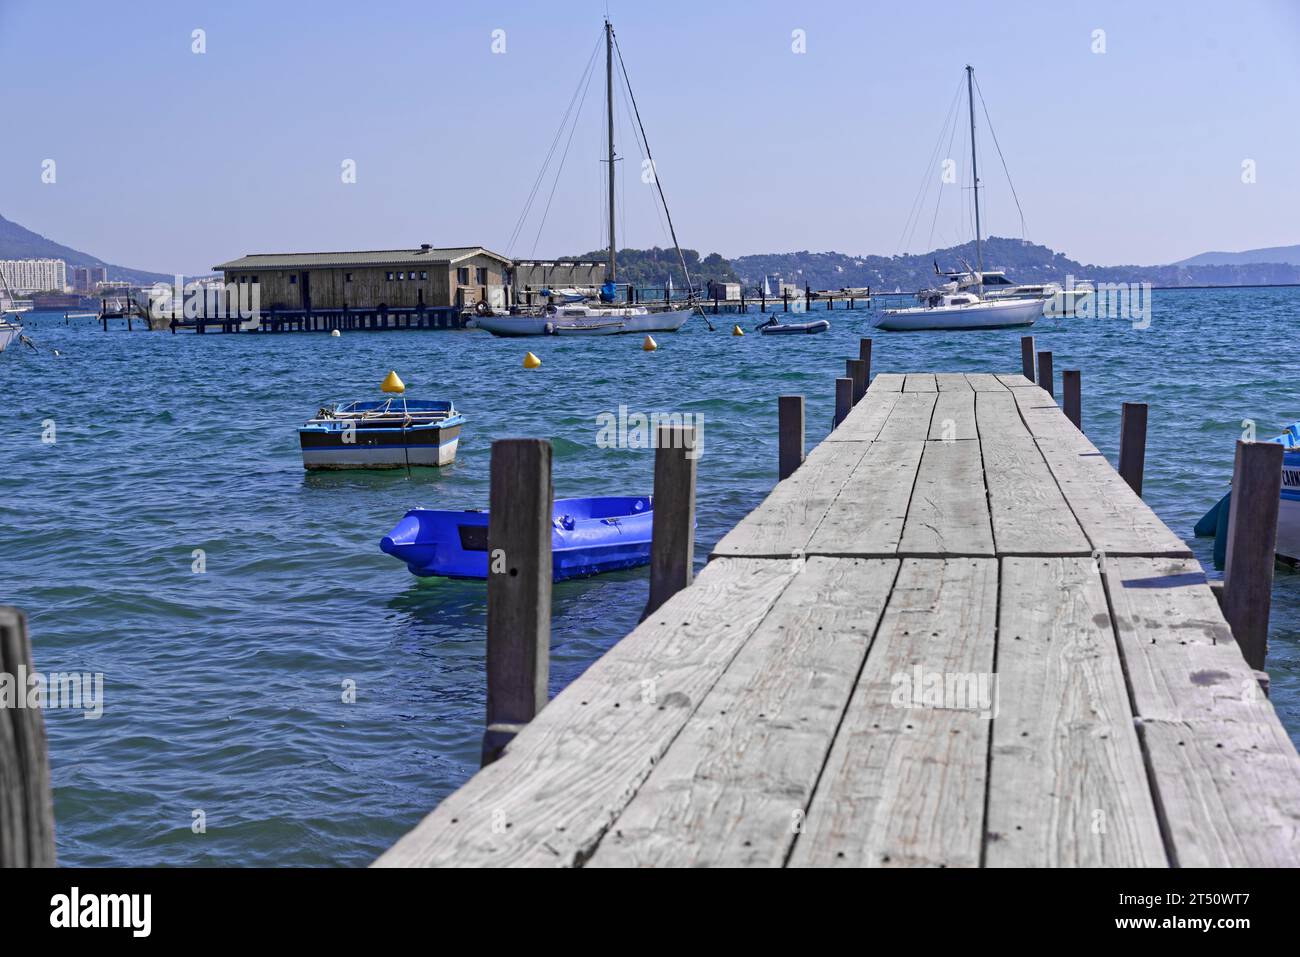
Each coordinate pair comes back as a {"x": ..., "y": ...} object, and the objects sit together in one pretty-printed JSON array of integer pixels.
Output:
[
  {"x": 762, "y": 300},
  {"x": 1027, "y": 357},
  {"x": 790, "y": 434},
  {"x": 1045, "y": 372},
  {"x": 864, "y": 353},
  {"x": 843, "y": 399},
  {"x": 26, "y": 807},
  {"x": 785, "y": 298},
  {"x": 518, "y": 588},
  {"x": 1072, "y": 389},
  {"x": 1252, "y": 543},
  {"x": 856, "y": 370},
  {"x": 1133, "y": 444},
  {"x": 807, "y": 297},
  {"x": 672, "y": 544}
]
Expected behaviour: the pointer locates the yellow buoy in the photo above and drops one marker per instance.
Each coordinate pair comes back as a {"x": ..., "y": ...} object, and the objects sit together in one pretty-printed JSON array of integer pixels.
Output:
[
  {"x": 531, "y": 361},
  {"x": 737, "y": 331},
  {"x": 649, "y": 345},
  {"x": 393, "y": 383}
]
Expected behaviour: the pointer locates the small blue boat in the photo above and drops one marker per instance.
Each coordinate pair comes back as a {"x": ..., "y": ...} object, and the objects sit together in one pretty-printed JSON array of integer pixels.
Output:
[{"x": 588, "y": 536}]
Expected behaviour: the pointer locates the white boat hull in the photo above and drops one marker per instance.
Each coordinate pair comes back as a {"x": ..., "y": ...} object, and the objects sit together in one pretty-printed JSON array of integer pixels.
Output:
[
  {"x": 381, "y": 457},
  {"x": 1288, "y": 512},
  {"x": 995, "y": 314},
  {"x": 633, "y": 319},
  {"x": 8, "y": 333}
]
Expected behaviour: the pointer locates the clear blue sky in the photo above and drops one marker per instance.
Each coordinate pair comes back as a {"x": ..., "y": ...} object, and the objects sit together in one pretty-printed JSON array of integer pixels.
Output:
[{"x": 169, "y": 160}]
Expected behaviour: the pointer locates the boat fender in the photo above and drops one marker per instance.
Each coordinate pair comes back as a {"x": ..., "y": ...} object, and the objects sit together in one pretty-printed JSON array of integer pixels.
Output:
[
  {"x": 649, "y": 345},
  {"x": 531, "y": 361},
  {"x": 334, "y": 333},
  {"x": 549, "y": 328}
]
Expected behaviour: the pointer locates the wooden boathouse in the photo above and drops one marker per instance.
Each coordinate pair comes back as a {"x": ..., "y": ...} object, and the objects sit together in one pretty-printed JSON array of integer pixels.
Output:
[{"x": 952, "y": 635}]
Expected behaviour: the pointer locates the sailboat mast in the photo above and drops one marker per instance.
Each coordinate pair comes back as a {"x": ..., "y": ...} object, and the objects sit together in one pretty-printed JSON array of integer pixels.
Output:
[
  {"x": 974, "y": 169},
  {"x": 609, "y": 112}
]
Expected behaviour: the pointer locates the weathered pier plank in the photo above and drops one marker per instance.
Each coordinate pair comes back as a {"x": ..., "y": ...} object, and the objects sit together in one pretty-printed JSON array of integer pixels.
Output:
[
  {"x": 904, "y": 783},
  {"x": 734, "y": 786}
]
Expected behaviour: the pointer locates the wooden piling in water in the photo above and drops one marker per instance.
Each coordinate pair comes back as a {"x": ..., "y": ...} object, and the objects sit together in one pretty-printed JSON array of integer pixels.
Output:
[
  {"x": 1045, "y": 372},
  {"x": 672, "y": 547},
  {"x": 1252, "y": 544},
  {"x": 1027, "y": 357},
  {"x": 843, "y": 399},
  {"x": 26, "y": 806},
  {"x": 1072, "y": 388},
  {"x": 864, "y": 353},
  {"x": 856, "y": 370},
  {"x": 518, "y": 589},
  {"x": 1133, "y": 444},
  {"x": 790, "y": 433}
]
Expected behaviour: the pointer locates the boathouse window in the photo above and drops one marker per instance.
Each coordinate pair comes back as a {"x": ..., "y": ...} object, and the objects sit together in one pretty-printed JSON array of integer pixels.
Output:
[
  {"x": 293, "y": 280},
  {"x": 254, "y": 278},
  {"x": 482, "y": 275},
  {"x": 424, "y": 274},
  {"x": 401, "y": 276},
  {"x": 462, "y": 276},
  {"x": 347, "y": 277},
  {"x": 390, "y": 277}
]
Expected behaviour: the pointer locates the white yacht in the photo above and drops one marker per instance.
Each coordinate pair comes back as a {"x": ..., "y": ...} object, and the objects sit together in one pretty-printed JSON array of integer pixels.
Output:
[
  {"x": 580, "y": 318},
  {"x": 1060, "y": 301},
  {"x": 951, "y": 306}
]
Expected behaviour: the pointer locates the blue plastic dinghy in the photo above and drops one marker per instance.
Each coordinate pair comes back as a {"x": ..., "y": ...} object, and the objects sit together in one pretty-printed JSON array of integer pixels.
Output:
[{"x": 588, "y": 536}]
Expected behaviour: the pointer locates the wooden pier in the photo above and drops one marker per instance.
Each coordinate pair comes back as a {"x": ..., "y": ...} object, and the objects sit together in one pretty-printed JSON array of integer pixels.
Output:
[{"x": 952, "y": 636}]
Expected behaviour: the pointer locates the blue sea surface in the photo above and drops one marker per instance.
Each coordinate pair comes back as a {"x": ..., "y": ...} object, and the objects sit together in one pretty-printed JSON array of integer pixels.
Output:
[{"x": 224, "y": 693}]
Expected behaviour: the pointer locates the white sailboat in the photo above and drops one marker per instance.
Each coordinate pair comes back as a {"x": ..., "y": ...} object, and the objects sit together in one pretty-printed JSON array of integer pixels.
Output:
[
  {"x": 961, "y": 302},
  {"x": 605, "y": 316}
]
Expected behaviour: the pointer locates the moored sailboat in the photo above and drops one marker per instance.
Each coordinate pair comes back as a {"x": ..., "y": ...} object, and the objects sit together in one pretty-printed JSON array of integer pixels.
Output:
[{"x": 962, "y": 302}]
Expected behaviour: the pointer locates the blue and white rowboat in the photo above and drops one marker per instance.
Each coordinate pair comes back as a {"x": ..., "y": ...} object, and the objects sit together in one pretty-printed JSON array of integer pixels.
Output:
[
  {"x": 389, "y": 433},
  {"x": 1215, "y": 521}
]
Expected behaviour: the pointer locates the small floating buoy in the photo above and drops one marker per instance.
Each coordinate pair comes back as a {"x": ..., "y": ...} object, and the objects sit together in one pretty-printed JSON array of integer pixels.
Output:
[
  {"x": 393, "y": 383},
  {"x": 531, "y": 361},
  {"x": 335, "y": 333},
  {"x": 649, "y": 345},
  {"x": 737, "y": 331}
]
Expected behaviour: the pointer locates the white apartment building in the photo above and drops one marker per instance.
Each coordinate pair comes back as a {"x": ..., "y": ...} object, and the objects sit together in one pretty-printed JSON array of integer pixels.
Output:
[{"x": 26, "y": 276}]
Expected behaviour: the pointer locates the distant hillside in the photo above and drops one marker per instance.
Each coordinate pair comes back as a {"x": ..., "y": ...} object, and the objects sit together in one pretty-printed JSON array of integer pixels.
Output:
[
  {"x": 652, "y": 267},
  {"x": 18, "y": 242},
  {"x": 1023, "y": 262},
  {"x": 1270, "y": 254}
]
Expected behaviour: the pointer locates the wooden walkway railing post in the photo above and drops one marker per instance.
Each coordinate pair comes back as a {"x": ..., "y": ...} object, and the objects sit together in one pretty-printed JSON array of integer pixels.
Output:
[
  {"x": 1072, "y": 388},
  {"x": 1045, "y": 372},
  {"x": 26, "y": 806},
  {"x": 843, "y": 399},
  {"x": 1252, "y": 543},
  {"x": 790, "y": 434},
  {"x": 672, "y": 545},
  {"x": 518, "y": 589},
  {"x": 1027, "y": 357},
  {"x": 1133, "y": 444},
  {"x": 864, "y": 353}
]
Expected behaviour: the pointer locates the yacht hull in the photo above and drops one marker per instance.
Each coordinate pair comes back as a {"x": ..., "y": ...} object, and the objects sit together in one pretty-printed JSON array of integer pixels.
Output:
[
  {"x": 631, "y": 320},
  {"x": 998, "y": 314}
]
